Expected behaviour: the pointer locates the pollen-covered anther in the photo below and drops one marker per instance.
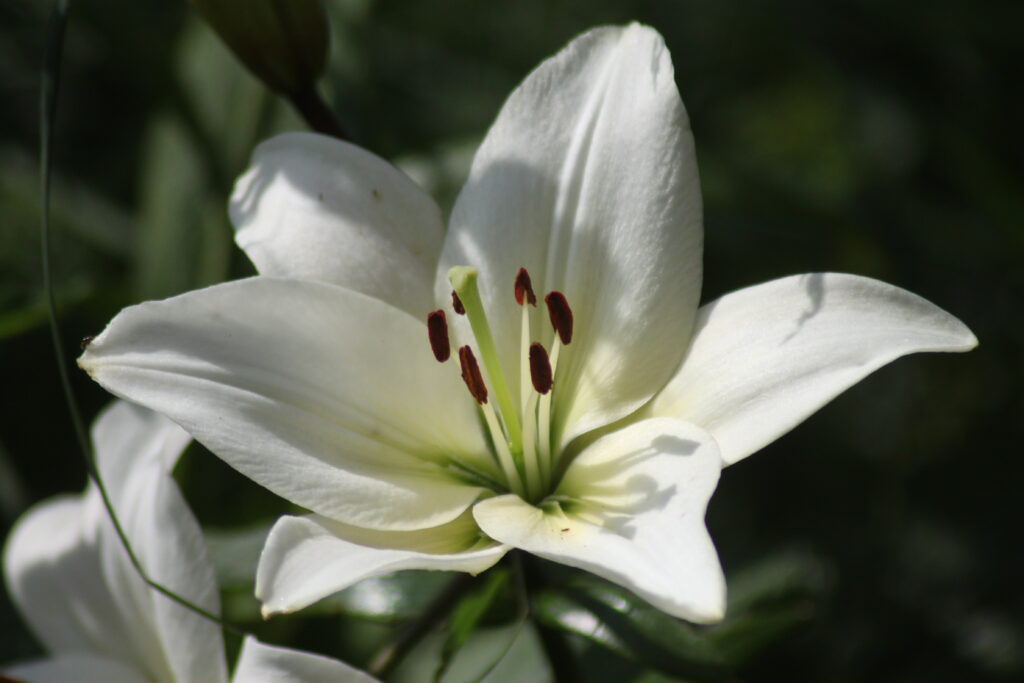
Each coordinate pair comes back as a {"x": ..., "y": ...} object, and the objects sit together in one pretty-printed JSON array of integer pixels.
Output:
[
  {"x": 540, "y": 368},
  {"x": 457, "y": 304},
  {"x": 471, "y": 375},
  {"x": 437, "y": 331},
  {"x": 561, "y": 315},
  {"x": 524, "y": 288}
]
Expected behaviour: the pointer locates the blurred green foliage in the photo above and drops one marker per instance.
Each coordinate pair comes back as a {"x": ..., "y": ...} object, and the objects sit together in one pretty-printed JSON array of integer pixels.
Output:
[{"x": 879, "y": 541}]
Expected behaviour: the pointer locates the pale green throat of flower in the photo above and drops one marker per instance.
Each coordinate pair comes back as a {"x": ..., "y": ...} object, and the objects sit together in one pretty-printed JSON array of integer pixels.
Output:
[{"x": 519, "y": 430}]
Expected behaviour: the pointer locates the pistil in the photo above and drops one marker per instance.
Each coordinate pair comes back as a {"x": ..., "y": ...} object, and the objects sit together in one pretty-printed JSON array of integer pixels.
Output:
[{"x": 463, "y": 279}]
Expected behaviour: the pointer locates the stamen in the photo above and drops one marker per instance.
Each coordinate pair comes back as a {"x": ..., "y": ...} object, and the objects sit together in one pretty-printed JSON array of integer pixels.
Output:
[
  {"x": 524, "y": 288},
  {"x": 544, "y": 420},
  {"x": 471, "y": 375},
  {"x": 457, "y": 304},
  {"x": 505, "y": 459},
  {"x": 535, "y": 481},
  {"x": 540, "y": 368},
  {"x": 561, "y": 315},
  {"x": 437, "y": 331}
]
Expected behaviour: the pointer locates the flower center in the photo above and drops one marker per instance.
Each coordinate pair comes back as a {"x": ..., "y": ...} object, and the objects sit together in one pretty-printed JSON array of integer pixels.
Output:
[{"x": 520, "y": 431}]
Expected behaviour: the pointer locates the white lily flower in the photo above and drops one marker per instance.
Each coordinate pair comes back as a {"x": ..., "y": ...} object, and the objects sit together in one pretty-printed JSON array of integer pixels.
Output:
[
  {"x": 597, "y": 447},
  {"x": 73, "y": 582}
]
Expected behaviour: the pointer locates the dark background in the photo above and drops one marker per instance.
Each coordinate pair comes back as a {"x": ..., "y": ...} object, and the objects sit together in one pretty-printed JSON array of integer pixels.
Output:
[{"x": 876, "y": 138}]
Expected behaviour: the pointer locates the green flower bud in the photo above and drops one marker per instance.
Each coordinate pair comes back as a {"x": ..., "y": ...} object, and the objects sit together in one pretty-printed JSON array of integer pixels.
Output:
[{"x": 283, "y": 42}]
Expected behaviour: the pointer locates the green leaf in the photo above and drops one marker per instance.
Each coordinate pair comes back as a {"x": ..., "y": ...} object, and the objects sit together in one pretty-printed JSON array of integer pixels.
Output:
[
  {"x": 467, "y": 615},
  {"x": 191, "y": 154},
  {"x": 504, "y": 653},
  {"x": 767, "y": 601},
  {"x": 392, "y": 597},
  {"x": 614, "y": 618}
]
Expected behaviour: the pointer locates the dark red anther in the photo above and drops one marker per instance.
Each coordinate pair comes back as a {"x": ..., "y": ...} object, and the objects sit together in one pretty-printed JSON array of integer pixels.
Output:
[
  {"x": 561, "y": 315},
  {"x": 471, "y": 375},
  {"x": 437, "y": 330},
  {"x": 457, "y": 304},
  {"x": 524, "y": 288},
  {"x": 540, "y": 368}
]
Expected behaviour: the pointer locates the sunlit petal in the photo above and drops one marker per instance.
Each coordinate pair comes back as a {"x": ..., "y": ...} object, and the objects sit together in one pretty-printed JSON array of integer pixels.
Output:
[
  {"x": 327, "y": 397},
  {"x": 766, "y": 357}
]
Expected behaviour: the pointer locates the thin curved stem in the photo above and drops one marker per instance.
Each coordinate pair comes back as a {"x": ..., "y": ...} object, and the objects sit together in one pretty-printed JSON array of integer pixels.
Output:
[{"x": 48, "y": 108}]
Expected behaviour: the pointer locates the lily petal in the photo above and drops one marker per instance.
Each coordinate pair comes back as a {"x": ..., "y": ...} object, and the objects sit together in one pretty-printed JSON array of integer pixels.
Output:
[
  {"x": 260, "y": 663},
  {"x": 325, "y": 396},
  {"x": 631, "y": 510},
  {"x": 313, "y": 207},
  {"x": 125, "y": 433},
  {"x": 766, "y": 357},
  {"x": 170, "y": 545},
  {"x": 588, "y": 179},
  {"x": 75, "y": 585},
  {"x": 308, "y": 558},
  {"x": 53, "y": 575},
  {"x": 75, "y": 666}
]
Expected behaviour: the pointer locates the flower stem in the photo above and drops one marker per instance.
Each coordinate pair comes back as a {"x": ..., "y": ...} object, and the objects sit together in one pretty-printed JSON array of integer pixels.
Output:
[
  {"x": 389, "y": 657},
  {"x": 556, "y": 646},
  {"x": 317, "y": 114}
]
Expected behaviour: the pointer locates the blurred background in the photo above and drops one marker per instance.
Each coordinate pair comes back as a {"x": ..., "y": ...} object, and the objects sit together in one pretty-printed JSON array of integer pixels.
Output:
[{"x": 879, "y": 541}]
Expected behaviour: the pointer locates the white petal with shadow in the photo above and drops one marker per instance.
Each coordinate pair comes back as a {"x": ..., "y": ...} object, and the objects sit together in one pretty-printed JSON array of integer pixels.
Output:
[
  {"x": 632, "y": 512},
  {"x": 765, "y": 358},
  {"x": 313, "y": 207},
  {"x": 169, "y": 543},
  {"x": 53, "y": 575},
  {"x": 80, "y": 667},
  {"x": 588, "y": 179},
  {"x": 261, "y": 663},
  {"x": 308, "y": 558},
  {"x": 125, "y": 433}
]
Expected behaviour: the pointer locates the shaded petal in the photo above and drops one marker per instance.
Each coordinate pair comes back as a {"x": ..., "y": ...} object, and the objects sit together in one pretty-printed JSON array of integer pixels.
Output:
[
  {"x": 53, "y": 575},
  {"x": 75, "y": 585},
  {"x": 588, "y": 179},
  {"x": 124, "y": 433},
  {"x": 327, "y": 397},
  {"x": 766, "y": 357},
  {"x": 260, "y": 663},
  {"x": 313, "y": 207},
  {"x": 308, "y": 558},
  {"x": 631, "y": 511},
  {"x": 169, "y": 544},
  {"x": 76, "y": 666}
]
